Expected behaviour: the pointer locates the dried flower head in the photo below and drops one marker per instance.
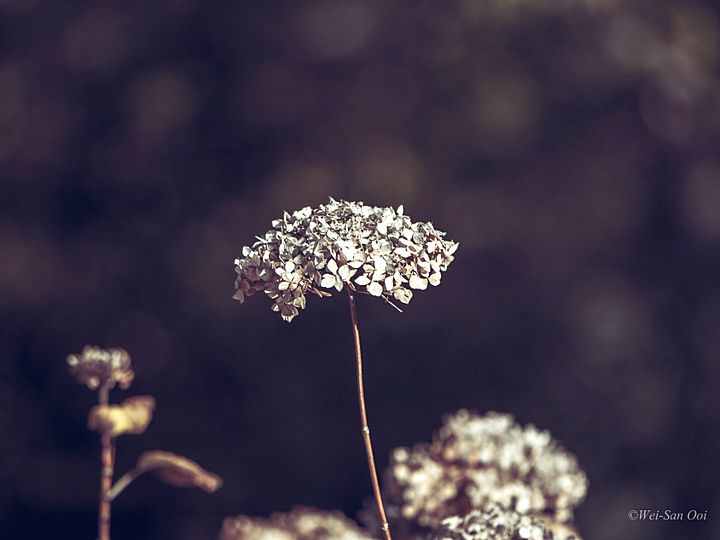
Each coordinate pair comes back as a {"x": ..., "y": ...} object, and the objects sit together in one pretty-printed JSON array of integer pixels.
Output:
[
  {"x": 378, "y": 250},
  {"x": 300, "y": 524},
  {"x": 478, "y": 461},
  {"x": 495, "y": 523},
  {"x": 98, "y": 367}
]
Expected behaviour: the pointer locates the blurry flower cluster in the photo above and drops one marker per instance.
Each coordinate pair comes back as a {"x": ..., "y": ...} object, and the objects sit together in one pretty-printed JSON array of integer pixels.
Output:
[
  {"x": 475, "y": 462},
  {"x": 481, "y": 478},
  {"x": 495, "y": 523},
  {"x": 341, "y": 244},
  {"x": 300, "y": 524},
  {"x": 98, "y": 367}
]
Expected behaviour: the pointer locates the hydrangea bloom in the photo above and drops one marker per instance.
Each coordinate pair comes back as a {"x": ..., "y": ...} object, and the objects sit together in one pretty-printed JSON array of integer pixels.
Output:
[
  {"x": 495, "y": 523},
  {"x": 491, "y": 524},
  {"x": 300, "y": 524},
  {"x": 475, "y": 462},
  {"x": 342, "y": 244},
  {"x": 98, "y": 367}
]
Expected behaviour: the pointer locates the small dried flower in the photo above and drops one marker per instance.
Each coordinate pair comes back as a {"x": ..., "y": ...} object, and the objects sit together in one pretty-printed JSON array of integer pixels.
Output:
[
  {"x": 495, "y": 523},
  {"x": 478, "y": 461},
  {"x": 98, "y": 367},
  {"x": 379, "y": 251},
  {"x": 300, "y": 524}
]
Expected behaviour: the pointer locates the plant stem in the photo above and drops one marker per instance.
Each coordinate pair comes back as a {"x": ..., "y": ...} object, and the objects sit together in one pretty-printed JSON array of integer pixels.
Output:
[
  {"x": 124, "y": 481},
  {"x": 363, "y": 419},
  {"x": 106, "y": 475}
]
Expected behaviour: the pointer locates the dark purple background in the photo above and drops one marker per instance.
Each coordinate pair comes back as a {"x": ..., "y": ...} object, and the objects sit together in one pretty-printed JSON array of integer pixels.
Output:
[{"x": 573, "y": 153}]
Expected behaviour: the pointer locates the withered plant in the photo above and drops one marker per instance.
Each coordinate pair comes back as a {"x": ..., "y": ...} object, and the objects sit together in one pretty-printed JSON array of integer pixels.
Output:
[
  {"x": 344, "y": 245},
  {"x": 101, "y": 370}
]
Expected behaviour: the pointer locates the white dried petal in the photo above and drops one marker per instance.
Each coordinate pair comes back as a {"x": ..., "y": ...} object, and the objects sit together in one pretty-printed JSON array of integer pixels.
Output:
[
  {"x": 389, "y": 283},
  {"x": 328, "y": 281},
  {"x": 375, "y": 289},
  {"x": 362, "y": 280},
  {"x": 416, "y": 282},
  {"x": 403, "y": 295},
  {"x": 345, "y": 273},
  {"x": 379, "y": 264}
]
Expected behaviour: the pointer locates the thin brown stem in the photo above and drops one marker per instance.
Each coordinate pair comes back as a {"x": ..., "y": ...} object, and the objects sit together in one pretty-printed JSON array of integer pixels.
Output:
[
  {"x": 364, "y": 422},
  {"x": 124, "y": 481},
  {"x": 106, "y": 475}
]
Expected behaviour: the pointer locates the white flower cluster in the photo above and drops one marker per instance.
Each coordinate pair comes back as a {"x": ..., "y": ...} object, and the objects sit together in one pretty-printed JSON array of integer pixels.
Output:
[
  {"x": 493, "y": 523},
  {"x": 342, "y": 244},
  {"x": 300, "y": 524},
  {"x": 475, "y": 462},
  {"x": 97, "y": 367}
]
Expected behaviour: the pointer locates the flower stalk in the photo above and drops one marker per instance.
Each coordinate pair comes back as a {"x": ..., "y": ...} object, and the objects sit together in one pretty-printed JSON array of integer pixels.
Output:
[
  {"x": 370, "y": 250},
  {"x": 363, "y": 419},
  {"x": 106, "y": 472},
  {"x": 101, "y": 370}
]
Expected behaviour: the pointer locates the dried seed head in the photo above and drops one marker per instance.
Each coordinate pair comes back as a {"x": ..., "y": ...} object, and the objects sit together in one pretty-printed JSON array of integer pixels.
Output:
[
  {"x": 478, "y": 461},
  {"x": 299, "y": 524},
  {"x": 342, "y": 244},
  {"x": 496, "y": 523},
  {"x": 98, "y": 367}
]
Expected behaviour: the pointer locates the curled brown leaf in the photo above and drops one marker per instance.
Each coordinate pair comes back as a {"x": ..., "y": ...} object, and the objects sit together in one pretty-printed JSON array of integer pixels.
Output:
[
  {"x": 178, "y": 470},
  {"x": 131, "y": 416}
]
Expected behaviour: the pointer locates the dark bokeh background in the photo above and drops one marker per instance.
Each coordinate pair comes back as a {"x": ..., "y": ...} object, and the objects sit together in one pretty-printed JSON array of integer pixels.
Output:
[{"x": 570, "y": 146}]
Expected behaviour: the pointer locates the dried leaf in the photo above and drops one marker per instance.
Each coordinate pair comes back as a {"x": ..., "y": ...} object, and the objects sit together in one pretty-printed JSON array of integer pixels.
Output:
[
  {"x": 178, "y": 470},
  {"x": 132, "y": 416}
]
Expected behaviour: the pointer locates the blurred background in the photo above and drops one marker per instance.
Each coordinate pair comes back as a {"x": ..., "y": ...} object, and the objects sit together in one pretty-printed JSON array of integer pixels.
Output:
[{"x": 570, "y": 146}]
